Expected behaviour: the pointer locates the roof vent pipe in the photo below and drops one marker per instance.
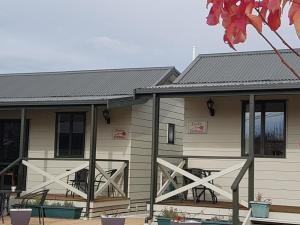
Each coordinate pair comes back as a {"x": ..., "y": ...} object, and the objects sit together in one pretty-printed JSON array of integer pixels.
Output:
[{"x": 194, "y": 52}]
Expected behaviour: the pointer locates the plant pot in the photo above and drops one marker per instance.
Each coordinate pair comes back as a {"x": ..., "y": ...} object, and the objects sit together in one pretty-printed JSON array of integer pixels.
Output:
[
  {"x": 186, "y": 223},
  {"x": 211, "y": 222},
  {"x": 58, "y": 212},
  {"x": 20, "y": 216},
  {"x": 112, "y": 221},
  {"x": 163, "y": 221},
  {"x": 260, "y": 209}
]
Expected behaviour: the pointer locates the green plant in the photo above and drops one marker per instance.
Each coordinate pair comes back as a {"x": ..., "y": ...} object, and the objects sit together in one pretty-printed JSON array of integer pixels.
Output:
[{"x": 170, "y": 213}]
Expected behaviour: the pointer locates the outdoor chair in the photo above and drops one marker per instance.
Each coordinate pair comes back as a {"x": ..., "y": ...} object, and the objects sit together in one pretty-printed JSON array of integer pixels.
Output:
[
  {"x": 79, "y": 182},
  {"x": 2, "y": 206},
  {"x": 39, "y": 197},
  {"x": 200, "y": 190},
  {"x": 100, "y": 179}
]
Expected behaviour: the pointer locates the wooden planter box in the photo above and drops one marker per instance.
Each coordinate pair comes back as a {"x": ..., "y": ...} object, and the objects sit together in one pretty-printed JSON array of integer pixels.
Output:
[
  {"x": 58, "y": 212},
  {"x": 163, "y": 221}
]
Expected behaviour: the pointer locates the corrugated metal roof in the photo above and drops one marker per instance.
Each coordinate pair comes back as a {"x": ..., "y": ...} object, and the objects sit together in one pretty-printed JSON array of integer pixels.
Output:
[
  {"x": 239, "y": 67},
  {"x": 223, "y": 87},
  {"x": 57, "y": 86}
]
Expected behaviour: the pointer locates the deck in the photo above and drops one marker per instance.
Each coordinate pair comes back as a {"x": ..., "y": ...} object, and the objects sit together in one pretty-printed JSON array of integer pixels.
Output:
[
  {"x": 226, "y": 205},
  {"x": 76, "y": 198}
]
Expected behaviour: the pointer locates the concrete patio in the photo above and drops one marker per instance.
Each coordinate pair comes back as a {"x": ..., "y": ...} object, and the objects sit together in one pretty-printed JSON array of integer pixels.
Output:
[{"x": 34, "y": 221}]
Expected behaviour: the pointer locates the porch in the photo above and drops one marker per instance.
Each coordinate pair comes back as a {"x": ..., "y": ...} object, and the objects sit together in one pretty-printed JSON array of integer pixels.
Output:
[{"x": 98, "y": 185}]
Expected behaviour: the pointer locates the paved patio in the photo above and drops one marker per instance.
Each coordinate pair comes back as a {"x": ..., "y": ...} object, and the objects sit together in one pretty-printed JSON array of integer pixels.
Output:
[{"x": 34, "y": 221}]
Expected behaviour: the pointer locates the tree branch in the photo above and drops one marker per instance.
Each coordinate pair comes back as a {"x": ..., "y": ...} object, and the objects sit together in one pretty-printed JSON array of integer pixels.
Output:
[
  {"x": 280, "y": 56},
  {"x": 277, "y": 34}
]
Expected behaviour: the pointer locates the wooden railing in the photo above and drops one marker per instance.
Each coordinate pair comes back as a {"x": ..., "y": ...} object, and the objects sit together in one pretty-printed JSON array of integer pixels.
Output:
[
  {"x": 110, "y": 180},
  {"x": 243, "y": 167}
]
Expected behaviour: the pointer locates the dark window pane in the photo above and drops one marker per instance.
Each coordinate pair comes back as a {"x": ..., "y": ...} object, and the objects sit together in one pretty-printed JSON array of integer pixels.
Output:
[
  {"x": 171, "y": 133},
  {"x": 274, "y": 129},
  {"x": 257, "y": 139},
  {"x": 70, "y": 134},
  {"x": 269, "y": 129}
]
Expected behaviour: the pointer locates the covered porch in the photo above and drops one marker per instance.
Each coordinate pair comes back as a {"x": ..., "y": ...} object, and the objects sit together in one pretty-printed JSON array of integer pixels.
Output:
[
  {"x": 226, "y": 142},
  {"x": 41, "y": 155}
]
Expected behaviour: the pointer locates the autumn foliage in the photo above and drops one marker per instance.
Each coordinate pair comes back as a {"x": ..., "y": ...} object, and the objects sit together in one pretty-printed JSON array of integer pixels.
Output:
[{"x": 235, "y": 15}]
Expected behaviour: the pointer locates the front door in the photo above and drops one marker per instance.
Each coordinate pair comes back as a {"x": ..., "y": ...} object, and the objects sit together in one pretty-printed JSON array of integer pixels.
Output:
[{"x": 9, "y": 150}]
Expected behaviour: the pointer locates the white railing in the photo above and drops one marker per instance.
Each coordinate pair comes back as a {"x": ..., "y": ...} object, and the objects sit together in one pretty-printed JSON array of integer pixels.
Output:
[
  {"x": 177, "y": 170},
  {"x": 110, "y": 181}
]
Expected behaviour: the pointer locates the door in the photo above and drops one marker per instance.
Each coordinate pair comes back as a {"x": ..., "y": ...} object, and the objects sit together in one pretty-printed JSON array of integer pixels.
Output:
[{"x": 9, "y": 150}]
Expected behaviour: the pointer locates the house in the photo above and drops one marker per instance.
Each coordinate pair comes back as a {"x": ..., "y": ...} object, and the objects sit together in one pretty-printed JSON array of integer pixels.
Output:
[
  {"x": 241, "y": 113},
  {"x": 54, "y": 124}
]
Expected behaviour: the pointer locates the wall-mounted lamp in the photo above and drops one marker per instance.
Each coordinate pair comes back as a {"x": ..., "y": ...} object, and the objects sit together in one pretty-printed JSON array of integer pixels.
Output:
[
  {"x": 106, "y": 116},
  {"x": 211, "y": 107}
]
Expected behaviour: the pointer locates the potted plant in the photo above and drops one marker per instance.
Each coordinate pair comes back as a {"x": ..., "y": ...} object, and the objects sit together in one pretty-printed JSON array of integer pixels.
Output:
[
  {"x": 180, "y": 220},
  {"x": 260, "y": 208},
  {"x": 166, "y": 216},
  {"x": 112, "y": 220},
  {"x": 20, "y": 216}
]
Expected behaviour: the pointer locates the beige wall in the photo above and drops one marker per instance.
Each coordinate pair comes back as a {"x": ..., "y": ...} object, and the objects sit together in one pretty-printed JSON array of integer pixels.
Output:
[
  {"x": 278, "y": 179},
  {"x": 171, "y": 111}
]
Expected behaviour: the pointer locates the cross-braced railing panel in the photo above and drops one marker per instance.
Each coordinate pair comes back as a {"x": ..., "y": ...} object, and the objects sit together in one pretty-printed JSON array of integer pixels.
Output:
[
  {"x": 111, "y": 180},
  {"x": 196, "y": 180},
  {"x": 56, "y": 179}
]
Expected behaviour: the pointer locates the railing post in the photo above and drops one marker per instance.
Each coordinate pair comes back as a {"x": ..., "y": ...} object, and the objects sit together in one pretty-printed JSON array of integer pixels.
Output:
[
  {"x": 22, "y": 148},
  {"x": 92, "y": 162},
  {"x": 155, "y": 138},
  {"x": 126, "y": 177},
  {"x": 235, "y": 207},
  {"x": 251, "y": 148}
]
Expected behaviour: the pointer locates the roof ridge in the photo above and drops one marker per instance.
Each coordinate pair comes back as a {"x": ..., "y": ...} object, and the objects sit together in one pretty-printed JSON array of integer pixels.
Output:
[
  {"x": 257, "y": 52},
  {"x": 73, "y": 72}
]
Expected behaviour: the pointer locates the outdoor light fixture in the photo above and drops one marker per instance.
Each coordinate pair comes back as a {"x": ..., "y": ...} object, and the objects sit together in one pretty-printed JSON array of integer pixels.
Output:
[
  {"x": 106, "y": 116},
  {"x": 211, "y": 106}
]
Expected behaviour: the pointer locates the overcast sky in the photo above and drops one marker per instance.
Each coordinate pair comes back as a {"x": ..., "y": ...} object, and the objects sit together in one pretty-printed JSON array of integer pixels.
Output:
[{"x": 53, "y": 35}]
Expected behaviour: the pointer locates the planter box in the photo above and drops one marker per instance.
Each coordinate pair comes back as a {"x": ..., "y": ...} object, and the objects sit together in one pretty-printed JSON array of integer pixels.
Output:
[
  {"x": 112, "y": 221},
  {"x": 260, "y": 209},
  {"x": 163, "y": 221},
  {"x": 207, "y": 222},
  {"x": 186, "y": 223},
  {"x": 58, "y": 212},
  {"x": 20, "y": 216}
]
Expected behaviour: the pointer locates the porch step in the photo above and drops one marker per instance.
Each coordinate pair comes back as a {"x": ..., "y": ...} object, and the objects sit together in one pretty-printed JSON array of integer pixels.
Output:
[{"x": 262, "y": 221}]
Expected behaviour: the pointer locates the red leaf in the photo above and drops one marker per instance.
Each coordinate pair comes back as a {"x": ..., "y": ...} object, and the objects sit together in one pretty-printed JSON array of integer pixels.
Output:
[{"x": 274, "y": 20}]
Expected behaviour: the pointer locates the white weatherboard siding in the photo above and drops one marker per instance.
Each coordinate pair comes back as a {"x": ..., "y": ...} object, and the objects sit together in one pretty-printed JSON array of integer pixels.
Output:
[
  {"x": 277, "y": 178},
  {"x": 171, "y": 111}
]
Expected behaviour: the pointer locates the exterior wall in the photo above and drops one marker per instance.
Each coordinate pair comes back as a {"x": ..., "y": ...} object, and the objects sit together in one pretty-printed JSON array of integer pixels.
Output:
[
  {"x": 171, "y": 111},
  {"x": 277, "y": 178}
]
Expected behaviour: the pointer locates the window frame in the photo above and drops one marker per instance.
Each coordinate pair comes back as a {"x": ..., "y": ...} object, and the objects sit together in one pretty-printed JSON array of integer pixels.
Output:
[
  {"x": 263, "y": 103},
  {"x": 173, "y": 126},
  {"x": 56, "y": 147}
]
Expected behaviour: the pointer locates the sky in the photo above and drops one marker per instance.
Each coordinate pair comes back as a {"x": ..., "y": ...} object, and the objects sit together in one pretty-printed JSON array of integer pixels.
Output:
[{"x": 57, "y": 35}]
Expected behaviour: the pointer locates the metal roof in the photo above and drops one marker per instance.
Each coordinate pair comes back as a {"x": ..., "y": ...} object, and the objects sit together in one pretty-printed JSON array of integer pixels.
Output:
[
  {"x": 80, "y": 86},
  {"x": 223, "y": 87},
  {"x": 234, "y": 72},
  {"x": 240, "y": 67}
]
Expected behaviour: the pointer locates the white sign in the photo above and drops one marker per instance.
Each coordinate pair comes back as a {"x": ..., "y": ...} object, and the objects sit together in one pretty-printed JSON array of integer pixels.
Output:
[{"x": 198, "y": 127}]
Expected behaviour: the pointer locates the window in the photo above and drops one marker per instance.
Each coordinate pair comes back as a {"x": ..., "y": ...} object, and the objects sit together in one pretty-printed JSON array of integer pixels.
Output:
[
  {"x": 70, "y": 135},
  {"x": 171, "y": 133},
  {"x": 270, "y": 129}
]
